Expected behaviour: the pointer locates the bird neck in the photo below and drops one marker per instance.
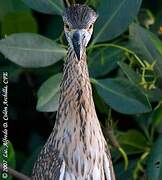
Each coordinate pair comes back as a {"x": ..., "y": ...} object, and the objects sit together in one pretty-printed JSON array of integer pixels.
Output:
[
  {"x": 76, "y": 119},
  {"x": 76, "y": 92}
]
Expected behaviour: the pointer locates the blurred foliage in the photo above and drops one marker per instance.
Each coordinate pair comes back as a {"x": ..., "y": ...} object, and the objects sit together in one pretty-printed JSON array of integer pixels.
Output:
[
  {"x": 125, "y": 65},
  {"x": 7, "y": 157}
]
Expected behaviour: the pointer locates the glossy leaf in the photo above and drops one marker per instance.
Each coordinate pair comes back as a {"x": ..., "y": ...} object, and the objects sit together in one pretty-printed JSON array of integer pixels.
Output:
[
  {"x": 17, "y": 22},
  {"x": 9, "y": 6},
  {"x": 130, "y": 73},
  {"x": 113, "y": 18},
  {"x": 154, "y": 163},
  {"x": 144, "y": 121},
  {"x": 157, "y": 43},
  {"x": 93, "y": 3},
  {"x": 122, "y": 96},
  {"x": 121, "y": 174},
  {"x": 101, "y": 106},
  {"x": 142, "y": 43},
  {"x": 48, "y": 94},
  {"x": 133, "y": 138},
  {"x": 31, "y": 50},
  {"x": 46, "y": 6},
  {"x": 155, "y": 95},
  {"x": 157, "y": 116},
  {"x": 104, "y": 60}
]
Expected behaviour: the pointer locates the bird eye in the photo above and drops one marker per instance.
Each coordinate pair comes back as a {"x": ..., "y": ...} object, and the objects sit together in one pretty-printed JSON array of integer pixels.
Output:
[
  {"x": 67, "y": 26},
  {"x": 90, "y": 27}
]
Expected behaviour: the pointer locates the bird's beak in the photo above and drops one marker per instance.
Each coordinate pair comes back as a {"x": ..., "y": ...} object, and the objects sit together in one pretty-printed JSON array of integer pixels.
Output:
[{"x": 77, "y": 41}]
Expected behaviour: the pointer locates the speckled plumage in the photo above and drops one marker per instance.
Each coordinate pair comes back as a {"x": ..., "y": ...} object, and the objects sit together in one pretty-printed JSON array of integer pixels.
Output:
[
  {"x": 76, "y": 148},
  {"x": 79, "y": 16}
]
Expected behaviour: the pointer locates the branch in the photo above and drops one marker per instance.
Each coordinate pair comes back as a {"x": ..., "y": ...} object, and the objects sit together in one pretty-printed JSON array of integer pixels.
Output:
[
  {"x": 67, "y": 3},
  {"x": 15, "y": 173},
  {"x": 72, "y": 1}
]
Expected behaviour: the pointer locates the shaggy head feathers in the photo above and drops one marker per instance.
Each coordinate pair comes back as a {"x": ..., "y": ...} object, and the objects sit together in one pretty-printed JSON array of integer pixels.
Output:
[{"x": 79, "y": 16}]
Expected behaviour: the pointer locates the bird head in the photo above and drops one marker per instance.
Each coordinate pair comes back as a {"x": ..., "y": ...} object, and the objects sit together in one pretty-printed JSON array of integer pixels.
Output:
[{"x": 78, "y": 26}]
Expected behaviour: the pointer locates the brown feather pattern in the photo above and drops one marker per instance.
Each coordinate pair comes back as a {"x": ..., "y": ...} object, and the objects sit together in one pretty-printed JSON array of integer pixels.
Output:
[{"x": 76, "y": 148}]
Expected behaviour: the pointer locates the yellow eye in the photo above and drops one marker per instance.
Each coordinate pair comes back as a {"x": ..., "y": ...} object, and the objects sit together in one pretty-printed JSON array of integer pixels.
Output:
[{"x": 67, "y": 26}]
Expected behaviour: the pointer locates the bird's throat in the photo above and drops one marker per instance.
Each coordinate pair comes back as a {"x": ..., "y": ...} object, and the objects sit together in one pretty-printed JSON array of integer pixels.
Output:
[
  {"x": 76, "y": 93},
  {"x": 77, "y": 129}
]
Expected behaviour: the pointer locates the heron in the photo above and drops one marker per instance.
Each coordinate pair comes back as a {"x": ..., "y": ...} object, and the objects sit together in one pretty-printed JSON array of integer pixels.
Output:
[{"x": 76, "y": 149}]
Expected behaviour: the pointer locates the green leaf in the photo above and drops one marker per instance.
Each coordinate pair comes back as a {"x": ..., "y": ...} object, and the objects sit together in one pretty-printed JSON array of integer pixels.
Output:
[
  {"x": 154, "y": 163},
  {"x": 144, "y": 121},
  {"x": 9, "y": 6},
  {"x": 48, "y": 94},
  {"x": 120, "y": 173},
  {"x": 132, "y": 150},
  {"x": 157, "y": 43},
  {"x": 130, "y": 73},
  {"x": 31, "y": 50},
  {"x": 114, "y": 19},
  {"x": 155, "y": 95},
  {"x": 93, "y": 3},
  {"x": 16, "y": 22},
  {"x": 157, "y": 116},
  {"x": 46, "y": 6},
  {"x": 101, "y": 106},
  {"x": 133, "y": 138},
  {"x": 122, "y": 96},
  {"x": 10, "y": 156},
  {"x": 141, "y": 41},
  {"x": 104, "y": 60}
]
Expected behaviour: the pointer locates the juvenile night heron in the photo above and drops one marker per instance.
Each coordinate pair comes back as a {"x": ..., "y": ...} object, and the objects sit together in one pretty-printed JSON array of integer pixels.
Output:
[{"x": 76, "y": 148}]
